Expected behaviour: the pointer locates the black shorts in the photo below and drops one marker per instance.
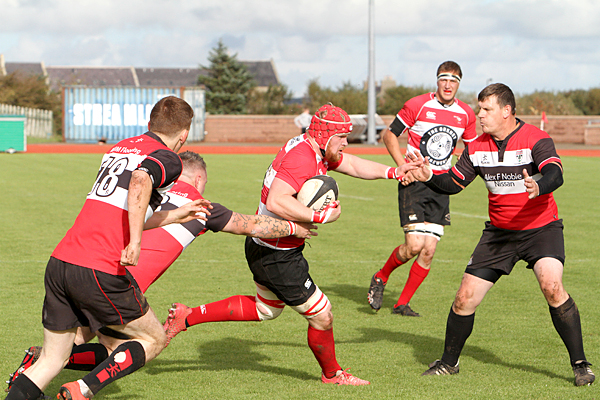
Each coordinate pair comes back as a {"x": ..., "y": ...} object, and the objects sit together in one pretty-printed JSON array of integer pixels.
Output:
[
  {"x": 417, "y": 203},
  {"x": 500, "y": 249},
  {"x": 78, "y": 296},
  {"x": 283, "y": 272}
]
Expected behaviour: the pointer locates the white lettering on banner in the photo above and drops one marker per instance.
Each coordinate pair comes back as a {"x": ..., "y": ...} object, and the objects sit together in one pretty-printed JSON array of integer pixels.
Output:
[{"x": 111, "y": 114}]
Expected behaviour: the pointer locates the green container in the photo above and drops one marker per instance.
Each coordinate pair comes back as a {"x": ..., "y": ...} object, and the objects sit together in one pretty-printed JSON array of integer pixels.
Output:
[{"x": 12, "y": 133}]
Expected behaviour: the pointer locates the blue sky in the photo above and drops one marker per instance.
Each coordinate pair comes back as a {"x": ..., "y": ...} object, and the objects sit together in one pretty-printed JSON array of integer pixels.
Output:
[{"x": 528, "y": 44}]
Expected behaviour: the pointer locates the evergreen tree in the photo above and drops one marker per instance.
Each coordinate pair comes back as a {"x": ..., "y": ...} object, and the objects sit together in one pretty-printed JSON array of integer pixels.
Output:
[{"x": 227, "y": 83}]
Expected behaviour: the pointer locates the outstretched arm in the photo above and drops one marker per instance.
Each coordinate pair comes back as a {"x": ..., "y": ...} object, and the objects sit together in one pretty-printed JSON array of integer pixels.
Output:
[
  {"x": 265, "y": 227},
  {"x": 366, "y": 169},
  {"x": 443, "y": 183},
  {"x": 197, "y": 209}
]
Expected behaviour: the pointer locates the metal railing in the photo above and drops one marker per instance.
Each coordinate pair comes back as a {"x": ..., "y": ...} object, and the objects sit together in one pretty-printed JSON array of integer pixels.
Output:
[{"x": 38, "y": 123}]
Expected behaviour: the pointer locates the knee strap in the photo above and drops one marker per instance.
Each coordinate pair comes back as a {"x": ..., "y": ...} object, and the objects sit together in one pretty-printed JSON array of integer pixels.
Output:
[
  {"x": 268, "y": 306},
  {"x": 315, "y": 305}
]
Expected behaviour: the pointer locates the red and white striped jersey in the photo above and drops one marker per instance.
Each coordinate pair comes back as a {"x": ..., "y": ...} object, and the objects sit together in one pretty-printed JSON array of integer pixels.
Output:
[
  {"x": 101, "y": 230},
  {"x": 434, "y": 128},
  {"x": 296, "y": 162},
  {"x": 527, "y": 147},
  {"x": 162, "y": 246}
]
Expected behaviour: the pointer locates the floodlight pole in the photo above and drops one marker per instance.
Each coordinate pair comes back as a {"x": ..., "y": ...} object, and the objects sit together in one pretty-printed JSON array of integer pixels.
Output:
[{"x": 371, "y": 134}]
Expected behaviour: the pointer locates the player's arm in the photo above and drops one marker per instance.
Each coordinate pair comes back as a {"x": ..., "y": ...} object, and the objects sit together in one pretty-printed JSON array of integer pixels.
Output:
[
  {"x": 390, "y": 139},
  {"x": 197, "y": 209},
  {"x": 367, "y": 169},
  {"x": 281, "y": 201},
  {"x": 552, "y": 179},
  {"x": 446, "y": 183},
  {"x": 266, "y": 227},
  {"x": 138, "y": 198}
]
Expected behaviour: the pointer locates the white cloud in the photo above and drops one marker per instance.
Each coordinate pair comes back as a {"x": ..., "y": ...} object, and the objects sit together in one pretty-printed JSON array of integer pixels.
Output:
[{"x": 535, "y": 44}]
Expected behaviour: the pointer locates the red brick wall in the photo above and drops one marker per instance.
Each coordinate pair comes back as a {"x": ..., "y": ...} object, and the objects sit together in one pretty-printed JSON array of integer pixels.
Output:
[{"x": 280, "y": 128}]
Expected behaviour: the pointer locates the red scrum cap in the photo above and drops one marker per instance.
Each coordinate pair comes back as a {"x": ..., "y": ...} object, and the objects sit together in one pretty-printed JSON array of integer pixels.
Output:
[{"x": 329, "y": 121}]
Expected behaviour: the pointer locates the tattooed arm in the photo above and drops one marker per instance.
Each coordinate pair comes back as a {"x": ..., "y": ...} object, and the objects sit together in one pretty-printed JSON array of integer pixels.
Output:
[{"x": 265, "y": 227}]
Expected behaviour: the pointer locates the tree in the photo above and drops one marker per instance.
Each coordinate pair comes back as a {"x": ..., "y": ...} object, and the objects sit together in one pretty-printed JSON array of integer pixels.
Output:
[
  {"x": 31, "y": 91},
  {"x": 588, "y": 101},
  {"x": 227, "y": 83},
  {"x": 394, "y": 98},
  {"x": 275, "y": 101},
  {"x": 348, "y": 97},
  {"x": 548, "y": 102}
]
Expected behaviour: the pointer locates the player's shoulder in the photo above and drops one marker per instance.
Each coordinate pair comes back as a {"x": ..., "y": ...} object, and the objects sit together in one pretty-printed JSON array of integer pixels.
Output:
[
  {"x": 468, "y": 109},
  {"x": 482, "y": 141},
  {"x": 420, "y": 100},
  {"x": 532, "y": 134},
  {"x": 185, "y": 190},
  {"x": 301, "y": 151}
]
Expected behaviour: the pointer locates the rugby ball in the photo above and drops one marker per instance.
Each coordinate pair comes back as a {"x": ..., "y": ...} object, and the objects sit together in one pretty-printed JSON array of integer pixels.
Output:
[{"x": 318, "y": 192}]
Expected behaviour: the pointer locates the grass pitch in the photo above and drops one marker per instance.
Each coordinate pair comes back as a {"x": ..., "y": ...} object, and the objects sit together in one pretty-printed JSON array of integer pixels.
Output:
[{"x": 513, "y": 353}]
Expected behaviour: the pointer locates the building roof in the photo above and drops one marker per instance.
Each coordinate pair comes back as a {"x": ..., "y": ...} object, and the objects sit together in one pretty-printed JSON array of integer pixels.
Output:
[
  {"x": 91, "y": 76},
  {"x": 25, "y": 68},
  {"x": 263, "y": 71},
  {"x": 168, "y": 76}
]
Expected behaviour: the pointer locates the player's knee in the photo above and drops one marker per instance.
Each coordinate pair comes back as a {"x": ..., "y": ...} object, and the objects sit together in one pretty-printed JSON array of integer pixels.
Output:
[
  {"x": 413, "y": 249},
  {"x": 463, "y": 302},
  {"x": 316, "y": 305},
  {"x": 266, "y": 313},
  {"x": 553, "y": 292},
  {"x": 268, "y": 306},
  {"x": 325, "y": 320}
]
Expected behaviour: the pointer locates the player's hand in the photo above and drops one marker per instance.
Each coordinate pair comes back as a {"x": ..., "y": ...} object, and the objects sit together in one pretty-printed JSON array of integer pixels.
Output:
[
  {"x": 531, "y": 185},
  {"x": 305, "y": 230},
  {"x": 408, "y": 179},
  {"x": 197, "y": 209},
  {"x": 423, "y": 173},
  {"x": 130, "y": 254},
  {"x": 329, "y": 214},
  {"x": 415, "y": 162}
]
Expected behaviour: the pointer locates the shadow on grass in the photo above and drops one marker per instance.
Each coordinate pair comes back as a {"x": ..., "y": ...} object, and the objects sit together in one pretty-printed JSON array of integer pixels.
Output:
[
  {"x": 427, "y": 349},
  {"x": 358, "y": 295},
  {"x": 230, "y": 353}
]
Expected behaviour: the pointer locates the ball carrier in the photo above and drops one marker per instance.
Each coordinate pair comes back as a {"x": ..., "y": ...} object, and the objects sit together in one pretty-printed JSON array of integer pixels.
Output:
[{"x": 279, "y": 268}]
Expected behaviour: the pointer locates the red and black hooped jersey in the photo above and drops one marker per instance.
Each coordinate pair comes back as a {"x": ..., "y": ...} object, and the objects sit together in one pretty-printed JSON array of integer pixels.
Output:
[
  {"x": 101, "y": 230},
  {"x": 162, "y": 246},
  {"x": 434, "y": 129},
  {"x": 527, "y": 147}
]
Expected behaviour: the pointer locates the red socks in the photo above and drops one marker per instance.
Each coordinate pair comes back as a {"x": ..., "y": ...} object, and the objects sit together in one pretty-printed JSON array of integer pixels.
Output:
[
  {"x": 234, "y": 308},
  {"x": 323, "y": 347},
  {"x": 415, "y": 277},
  {"x": 390, "y": 265}
]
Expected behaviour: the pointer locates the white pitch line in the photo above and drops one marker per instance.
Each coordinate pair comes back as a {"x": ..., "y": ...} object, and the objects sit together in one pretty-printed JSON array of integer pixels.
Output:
[
  {"x": 468, "y": 215},
  {"x": 357, "y": 197}
]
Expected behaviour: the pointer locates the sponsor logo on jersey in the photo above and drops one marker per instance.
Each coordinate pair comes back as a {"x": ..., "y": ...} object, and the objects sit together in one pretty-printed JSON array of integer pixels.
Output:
[
  {"x": 484, "y": 159},
  {"x": 458, "y": 119},
  {"x": 203, "y": 309},
  {"x": 430, "y": 115},
  {"x": 438, "y": 144}
]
